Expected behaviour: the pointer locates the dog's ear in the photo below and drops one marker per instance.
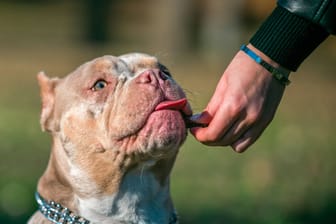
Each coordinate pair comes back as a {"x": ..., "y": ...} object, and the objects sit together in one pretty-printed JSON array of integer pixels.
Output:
[{"x": 47, "y": 91}]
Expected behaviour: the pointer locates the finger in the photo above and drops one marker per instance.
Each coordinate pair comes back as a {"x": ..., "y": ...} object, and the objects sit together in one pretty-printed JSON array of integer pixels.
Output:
[
  {"x": 247, "y": 120},
  {"x": 248, "y": 138},
  {"x": 238, "y": 128},
  {"x": 204, "y": 117},
  {"x": 218, "y": 126},
  {"x": 235, "y": 132}
]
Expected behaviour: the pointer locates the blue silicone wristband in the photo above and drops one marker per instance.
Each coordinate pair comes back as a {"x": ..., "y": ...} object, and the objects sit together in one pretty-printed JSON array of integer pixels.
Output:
[{"x": 277, "y": 74}]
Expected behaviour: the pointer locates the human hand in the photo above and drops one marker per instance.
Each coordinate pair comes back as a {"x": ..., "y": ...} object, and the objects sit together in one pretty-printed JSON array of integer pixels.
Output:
[{"x": 242, "y": 106}]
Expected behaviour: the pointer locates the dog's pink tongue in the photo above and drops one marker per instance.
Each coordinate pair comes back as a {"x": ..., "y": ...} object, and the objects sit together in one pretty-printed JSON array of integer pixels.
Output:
[{"x": 172, "y": 105}]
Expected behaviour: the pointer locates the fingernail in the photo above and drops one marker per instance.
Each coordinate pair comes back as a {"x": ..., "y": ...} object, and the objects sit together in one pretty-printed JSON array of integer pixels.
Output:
[{"x": 238, "y": 146}]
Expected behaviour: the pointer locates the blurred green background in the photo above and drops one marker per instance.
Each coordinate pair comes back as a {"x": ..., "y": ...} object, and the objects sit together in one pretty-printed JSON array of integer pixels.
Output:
[{"x": 288, "y": 176}]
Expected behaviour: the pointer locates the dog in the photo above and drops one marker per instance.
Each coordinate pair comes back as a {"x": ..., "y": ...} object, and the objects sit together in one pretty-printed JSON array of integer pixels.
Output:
[{"x": 117, "y": 124}]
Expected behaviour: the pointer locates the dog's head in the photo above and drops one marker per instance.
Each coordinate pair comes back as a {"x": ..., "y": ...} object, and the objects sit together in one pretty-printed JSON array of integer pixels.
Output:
[{"x": 127, "y": 105}]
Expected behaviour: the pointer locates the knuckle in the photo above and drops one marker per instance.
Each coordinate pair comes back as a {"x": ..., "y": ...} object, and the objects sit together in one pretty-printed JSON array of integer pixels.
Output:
[
  {"x": 237, "y": 105},
  {"x": 253, "y": 117},
  {"x": 235, "y": 108}
]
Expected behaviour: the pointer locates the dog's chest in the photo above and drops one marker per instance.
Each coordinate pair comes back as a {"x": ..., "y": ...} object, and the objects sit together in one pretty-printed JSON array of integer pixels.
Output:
[{"x": 140, "y": 199}]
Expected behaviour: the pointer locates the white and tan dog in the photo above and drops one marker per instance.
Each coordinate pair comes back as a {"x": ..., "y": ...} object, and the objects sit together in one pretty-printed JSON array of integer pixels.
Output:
[{"x": 117, "y": 125}]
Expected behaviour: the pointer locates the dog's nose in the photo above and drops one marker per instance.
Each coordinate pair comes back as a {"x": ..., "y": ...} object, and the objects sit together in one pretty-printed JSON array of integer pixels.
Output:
[
  {"x": 152, "y": 76},
  {"x": 147, "y": 77}
]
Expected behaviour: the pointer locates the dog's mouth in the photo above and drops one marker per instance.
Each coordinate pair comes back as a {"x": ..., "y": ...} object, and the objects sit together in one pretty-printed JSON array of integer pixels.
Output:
[{"x": 180, "y": 105}]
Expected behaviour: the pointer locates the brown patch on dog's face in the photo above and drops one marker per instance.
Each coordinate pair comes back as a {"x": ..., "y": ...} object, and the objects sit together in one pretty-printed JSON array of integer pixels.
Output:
[{"x": 104, "y": 113}]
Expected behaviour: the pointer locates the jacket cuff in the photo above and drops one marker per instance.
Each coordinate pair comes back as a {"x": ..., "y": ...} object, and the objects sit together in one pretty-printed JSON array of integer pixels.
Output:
[{"x": 288, "y": 39}]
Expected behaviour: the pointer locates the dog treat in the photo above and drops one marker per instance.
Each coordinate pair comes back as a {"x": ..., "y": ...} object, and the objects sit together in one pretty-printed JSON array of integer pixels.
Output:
[{"x": 192, "y": 124}]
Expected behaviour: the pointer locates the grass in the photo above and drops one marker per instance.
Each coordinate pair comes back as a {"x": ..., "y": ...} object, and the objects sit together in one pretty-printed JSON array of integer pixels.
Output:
[{"x": 286, "y": 177}]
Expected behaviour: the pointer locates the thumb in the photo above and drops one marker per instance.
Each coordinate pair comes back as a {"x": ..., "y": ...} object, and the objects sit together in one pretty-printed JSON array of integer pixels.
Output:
[{"x": 201, "y": 118}]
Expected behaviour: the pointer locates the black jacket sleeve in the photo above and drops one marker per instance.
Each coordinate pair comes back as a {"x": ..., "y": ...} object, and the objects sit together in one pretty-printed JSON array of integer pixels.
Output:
[
  {"x": 321, "y": 12},
  {"x": 294, "y": 29}
]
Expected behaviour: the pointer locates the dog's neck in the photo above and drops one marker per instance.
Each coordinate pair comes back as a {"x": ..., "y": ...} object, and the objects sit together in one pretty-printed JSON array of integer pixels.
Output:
[
  {"x": 140, "y": 199},
  {"x": 142, "y": 192}
]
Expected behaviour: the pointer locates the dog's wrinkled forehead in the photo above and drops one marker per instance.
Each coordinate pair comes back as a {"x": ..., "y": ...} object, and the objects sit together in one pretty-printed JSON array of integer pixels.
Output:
[
  {"x": 138, "y": 62},
  {"x": 125, "y": 66},
  {"x": 128, "y": 65}
]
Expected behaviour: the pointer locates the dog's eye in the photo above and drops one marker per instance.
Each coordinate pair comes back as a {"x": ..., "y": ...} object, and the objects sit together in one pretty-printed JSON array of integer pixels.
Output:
[
  {"x": 99, "y": 85},
  {"x": 165, "y": 70}
]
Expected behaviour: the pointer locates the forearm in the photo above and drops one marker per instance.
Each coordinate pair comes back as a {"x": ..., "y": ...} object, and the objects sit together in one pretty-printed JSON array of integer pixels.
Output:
[{"x": 288, "y": 39}]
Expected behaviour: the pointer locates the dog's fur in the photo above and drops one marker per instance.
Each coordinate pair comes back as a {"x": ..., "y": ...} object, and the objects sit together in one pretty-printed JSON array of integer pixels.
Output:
[{"x": 112, "y": 151}]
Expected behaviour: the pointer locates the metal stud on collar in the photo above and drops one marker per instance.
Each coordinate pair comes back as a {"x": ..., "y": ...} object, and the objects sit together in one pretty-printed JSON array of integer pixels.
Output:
[{"x": 57, "y": 213}]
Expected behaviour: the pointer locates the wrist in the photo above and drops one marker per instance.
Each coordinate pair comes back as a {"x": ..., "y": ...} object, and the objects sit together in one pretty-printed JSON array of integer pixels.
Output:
[
  {"x": 267, "y": 59},
  {"x": 280, "y": 74}
]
